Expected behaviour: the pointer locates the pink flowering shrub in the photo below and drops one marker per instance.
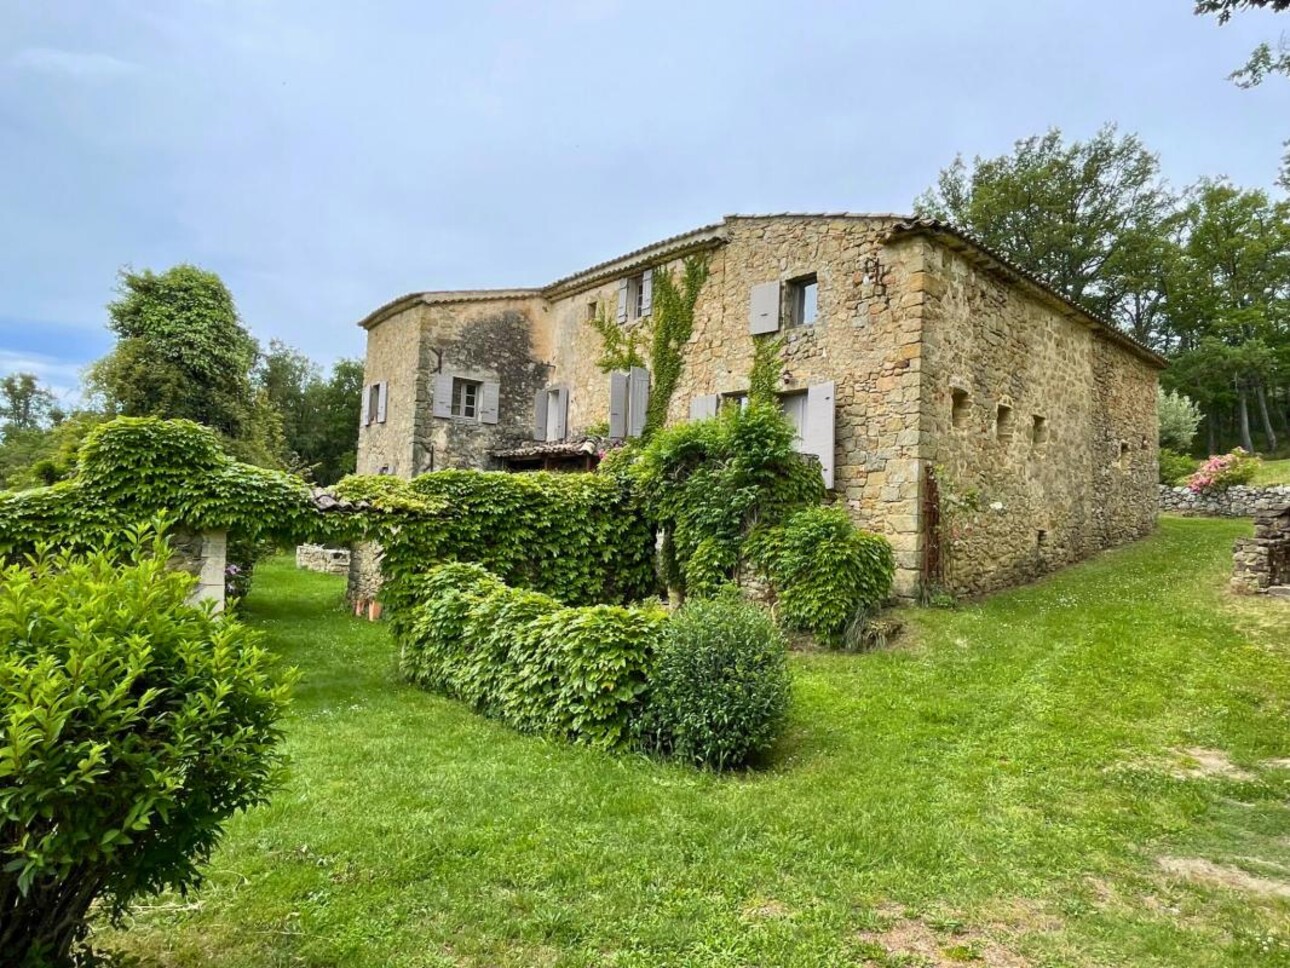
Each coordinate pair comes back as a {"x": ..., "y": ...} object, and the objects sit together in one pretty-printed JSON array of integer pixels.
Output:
[{"x": 1223, "y": 471}]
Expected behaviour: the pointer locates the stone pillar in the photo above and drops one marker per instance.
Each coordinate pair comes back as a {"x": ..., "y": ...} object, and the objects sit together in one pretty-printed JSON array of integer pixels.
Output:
[
  {"x": 204, "y": 555},
  {"x": 365, "y": 578}
]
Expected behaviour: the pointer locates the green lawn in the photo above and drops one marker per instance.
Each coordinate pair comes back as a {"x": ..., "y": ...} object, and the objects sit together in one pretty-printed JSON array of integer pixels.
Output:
[
  {"x": 1002, "y": 786},
  {"x": 1273, "y": 472}
]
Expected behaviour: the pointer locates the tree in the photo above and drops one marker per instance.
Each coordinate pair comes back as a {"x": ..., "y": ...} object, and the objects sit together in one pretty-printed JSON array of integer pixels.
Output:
[
  {"x": 182, "y": 352},
  {"x": 319, "y": 414},
  {"x": 1094, "y": 218},
  {"x": 25, "y": 404},
  {"x": 1179, "y": 418},
  {"x": 1263, "y": 61}
]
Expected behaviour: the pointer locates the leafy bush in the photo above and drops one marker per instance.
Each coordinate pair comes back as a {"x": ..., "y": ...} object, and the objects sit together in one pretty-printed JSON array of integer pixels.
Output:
[
  {"x": 1222, "y": 471},
  {"x": 826, "y": 571},
  {"x": 522, "y": 657},
  {"x": 707, "y": 483},
  {"x": 135, "y": 725},
  {"x": 576, "y": 537},
  {"x": 1179, "y": 418},
  {"x": 720, "y": 689},
  {"x": 1175, "y": 467}
]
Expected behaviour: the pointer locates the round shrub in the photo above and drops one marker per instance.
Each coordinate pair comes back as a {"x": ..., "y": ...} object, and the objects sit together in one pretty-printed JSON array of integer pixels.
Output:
[
  {"x": 1222, "y": 471},
  {"x": 720, "y": 688},
  {"x": 134, "y": 726},
  {"x": 825, "y": 570},
  {"x": 1175, "y": 468}
]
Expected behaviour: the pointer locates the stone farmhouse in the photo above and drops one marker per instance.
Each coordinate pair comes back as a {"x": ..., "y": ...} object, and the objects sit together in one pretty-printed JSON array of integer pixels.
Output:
[{"x": 989, "y": 427}]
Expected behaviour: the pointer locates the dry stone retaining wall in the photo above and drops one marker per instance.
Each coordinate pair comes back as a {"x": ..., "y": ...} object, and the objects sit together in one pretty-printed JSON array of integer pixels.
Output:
[
  {"x": 330, "y": 561},
  {"x": 1235, "y": 502}
]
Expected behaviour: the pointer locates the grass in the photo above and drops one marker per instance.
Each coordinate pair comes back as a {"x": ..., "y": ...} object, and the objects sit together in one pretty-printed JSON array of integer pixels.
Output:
[
  {"x": 1272, "y": 472},
  {"x": 997, "y": 788}
]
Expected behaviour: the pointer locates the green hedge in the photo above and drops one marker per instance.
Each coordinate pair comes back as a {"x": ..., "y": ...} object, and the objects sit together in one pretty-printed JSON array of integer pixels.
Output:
[
  {"x": 520, "y": 656},
  {"x": 132, "y": 469},
  {"x": 576, "y": 537}
]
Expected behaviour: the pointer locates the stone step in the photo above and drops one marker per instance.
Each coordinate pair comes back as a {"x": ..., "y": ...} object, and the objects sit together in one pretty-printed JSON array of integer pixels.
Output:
[{"x": 1280, "y": 591}]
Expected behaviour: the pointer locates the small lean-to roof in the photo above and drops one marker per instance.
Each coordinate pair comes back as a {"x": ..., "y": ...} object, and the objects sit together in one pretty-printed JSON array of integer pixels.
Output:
[{"x": 716, "y": 234}]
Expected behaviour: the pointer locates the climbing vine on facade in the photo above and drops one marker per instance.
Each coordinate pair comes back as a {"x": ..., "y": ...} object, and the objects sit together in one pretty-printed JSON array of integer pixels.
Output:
[
  {"x": 673, "y": 322},
  {"x": 621, "y": 347},
  {"x": 763, "y": 378}
]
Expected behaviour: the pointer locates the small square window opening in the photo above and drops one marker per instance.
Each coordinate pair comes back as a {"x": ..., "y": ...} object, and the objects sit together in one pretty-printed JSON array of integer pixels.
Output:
[
  {"x": 804, "y": 301},
  {"x": 465, "y": 398},
  {"x": 1003, "y": 422},
  {"x": 592, "y": 309},
  {"x": 1039, "y": 431},
  {"x": 959, "y": 408}
]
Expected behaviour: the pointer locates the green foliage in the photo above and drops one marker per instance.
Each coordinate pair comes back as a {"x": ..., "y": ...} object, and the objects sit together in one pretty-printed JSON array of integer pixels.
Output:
[
  {"x": 767, "y": 366},
  {"x": 620, "y": 346},
  {"x": 720, "y": 688},
  {"x": 25, "y": 404},
  {"x": 1222, "y": 471},
  {"x": 1175, "y": 468},
  {"x": 1179, "y": 418},
  {"x": 673, "y": 322},
  {"x": 707, "y": 483},
  {"x": 576, "y": 537},
  {"x": 136, "y": 725},
  {"x": 520, "y": 656},
  {"x": 319, "y": 413},
  {"x": 829, "y": 575},
  {"x": 134, "y": 468}
]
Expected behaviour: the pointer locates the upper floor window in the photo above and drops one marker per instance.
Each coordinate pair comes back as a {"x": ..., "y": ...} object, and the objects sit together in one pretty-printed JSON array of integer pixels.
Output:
[
  {"x": 803, "y": 301},
  {"x": 635, "y": 296},
  {"x": 465, "y": 398}
]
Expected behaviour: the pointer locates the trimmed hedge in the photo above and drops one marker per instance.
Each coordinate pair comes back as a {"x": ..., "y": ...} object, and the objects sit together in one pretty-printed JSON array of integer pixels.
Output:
[
  {"x": 576, "y": 537},
  {"x": 520, "y": 656}
]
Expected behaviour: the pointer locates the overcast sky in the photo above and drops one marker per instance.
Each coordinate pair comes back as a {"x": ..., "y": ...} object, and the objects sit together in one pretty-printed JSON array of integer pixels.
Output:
[{"x": 325, "y": 156}]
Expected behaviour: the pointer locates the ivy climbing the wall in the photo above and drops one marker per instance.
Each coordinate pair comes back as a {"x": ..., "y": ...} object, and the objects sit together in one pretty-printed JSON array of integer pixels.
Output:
[
  {"x": 620, "y": 346},
  {"x": 767, "y": 367}
]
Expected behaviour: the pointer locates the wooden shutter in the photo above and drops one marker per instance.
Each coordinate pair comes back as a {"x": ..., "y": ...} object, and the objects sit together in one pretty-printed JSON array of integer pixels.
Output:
[
  {"x": 647, "y": 292},
  {"x": 368, "y": 410},
  {"x": 818, "y": 436},
  {"x": 763, "y": 308},
  {"x": 623, "y": 285},
  {"x": 617, "y": 405},
  {"x": 638, "y": 400},
  {"x": 539, "y": 414},
  {"x": 489, "y": 399},
  {"x": 382, "y": 394},
  {"x": 560, "y": 418},
  {"x": 441, "y": 405},
  {"x": 701, "y": 408}
]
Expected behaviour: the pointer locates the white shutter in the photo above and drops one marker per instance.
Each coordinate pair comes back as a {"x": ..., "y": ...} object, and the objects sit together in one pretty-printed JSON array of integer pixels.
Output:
[
  {"x": 647, "y": 292},
  {"x": 441, "y": 406},
  {"x": 638, "y": 400},
  {"x": 381, "y": 401},
  {"x": 367, "y": 405},
  {"x": 489, "y": 399},
  {"x": 617, "y": 405},
  {"x": 701, "y": 408},
  {"x": 623, "y": 285},
  {"x": 560, "y": 419},
  {"x": 818, "y": 435},
  {"x": 763, "y": 308},
  {"x": 539, "y": 415}
]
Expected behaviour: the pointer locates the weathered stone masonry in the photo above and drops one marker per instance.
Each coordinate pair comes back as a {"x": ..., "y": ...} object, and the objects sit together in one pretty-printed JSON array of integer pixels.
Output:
[{"x": 926, "y": 350}]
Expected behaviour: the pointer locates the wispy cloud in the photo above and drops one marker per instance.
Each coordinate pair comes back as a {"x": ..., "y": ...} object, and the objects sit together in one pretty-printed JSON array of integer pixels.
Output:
[
  {"x": 62, "y": 377},
  {"x": 71, "y": 63}
]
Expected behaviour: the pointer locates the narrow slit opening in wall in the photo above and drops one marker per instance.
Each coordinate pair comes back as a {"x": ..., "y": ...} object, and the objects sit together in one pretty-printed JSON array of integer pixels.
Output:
[
  {"x": 591, "y": 309},
  {"x": 1041, "y": 537},
  {"x": 1039, "y": 430},
  {"x": 1003, "y": 421},
  {"x": 1124, "y": 452},
  {"x": 958, "y": 408}
]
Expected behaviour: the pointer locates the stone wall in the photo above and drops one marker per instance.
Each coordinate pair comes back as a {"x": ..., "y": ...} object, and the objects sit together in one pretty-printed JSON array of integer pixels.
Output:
[
  {"x": 1261, "y": 564},
  {"x": 204, "y": 555},
  {"x": 1043, "y": 434},
  {"x": 1235, "y": 502},
  {"x": 330, "y": 561}
]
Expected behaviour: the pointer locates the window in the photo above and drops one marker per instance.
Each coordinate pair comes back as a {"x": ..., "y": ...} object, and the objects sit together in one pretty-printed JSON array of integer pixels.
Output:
[
  {"x": 1003, "y": 422},
  {"x": 591, "y": 309},
  {"x": 635, "y": 296},
  {"x": 794, "y": 407},
  {"x": 554, "y": 408},
  {"x": 373, "y": 402},
  {"x": 465, "y": 398},
  {"x": 739, "y": 400},
  {"x": 1039, "y": 430},
  {"x": 958, "y": 408},
  {"x": 803, "y": 301}
]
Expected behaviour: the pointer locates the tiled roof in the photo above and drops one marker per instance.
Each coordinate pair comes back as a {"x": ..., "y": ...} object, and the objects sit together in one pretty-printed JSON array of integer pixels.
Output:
[
  {"x": 443, "y": 297},
  {"x": 705, "y": 237},
  {"x": 563, "y": 448}
]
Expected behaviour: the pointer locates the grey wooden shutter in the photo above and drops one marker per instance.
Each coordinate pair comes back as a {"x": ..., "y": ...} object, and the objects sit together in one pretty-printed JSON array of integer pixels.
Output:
[
  {"x": 539, "y": 415},
  {"x": 617, "y": 405},
  {"x": 382, "y": 394},
  {"x": 560, "y": 419},
  {"x": 818, "y": 435},
  {"x": 367, "y": 405},
  {"x": 638, "y": 400},
  {"x": 489, "y": 399},
  {"x": 623, "y": 285},
  {"x": 701, "y": 408},
  {"x": 763, "y": 308},
  {"x": 441, "y": 406},
  {"x": 647, "y": 292}
]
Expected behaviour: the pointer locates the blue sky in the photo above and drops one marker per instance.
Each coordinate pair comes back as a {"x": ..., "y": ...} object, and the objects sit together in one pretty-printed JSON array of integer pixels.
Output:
[{"x": 326, "y": 156}]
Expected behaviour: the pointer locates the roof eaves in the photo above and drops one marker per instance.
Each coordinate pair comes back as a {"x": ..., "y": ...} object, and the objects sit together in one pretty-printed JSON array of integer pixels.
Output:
[
  {"x": 706, "y": 237},
  {"x": 961, "y": 240},
  {"x": 442, "y": 297}
]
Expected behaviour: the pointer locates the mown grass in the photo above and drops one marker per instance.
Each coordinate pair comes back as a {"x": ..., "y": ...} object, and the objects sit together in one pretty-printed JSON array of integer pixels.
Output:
[
  {"x": 1272, "y": 472},
  {"x": 1004, "y": 776}
]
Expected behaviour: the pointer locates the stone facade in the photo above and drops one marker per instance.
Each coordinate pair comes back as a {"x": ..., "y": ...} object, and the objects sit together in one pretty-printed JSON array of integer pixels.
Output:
[
  {"x": 926, "y": 351},
  {"x": 329, "y": 561},
  {"x": 1234, "y": 502}
]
